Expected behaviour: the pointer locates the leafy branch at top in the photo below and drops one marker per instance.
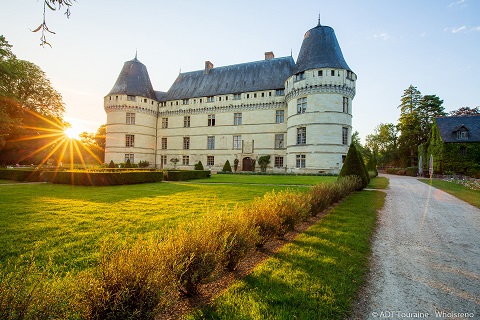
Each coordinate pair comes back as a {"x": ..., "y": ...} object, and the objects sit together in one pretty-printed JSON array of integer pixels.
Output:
[{"x": 52, "y": 5}]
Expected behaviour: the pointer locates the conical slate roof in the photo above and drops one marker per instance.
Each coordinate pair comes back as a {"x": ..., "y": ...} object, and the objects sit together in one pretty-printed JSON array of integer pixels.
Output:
[
  {"x": 134, "y": 80},
  {"x": 320, "y": 49}
]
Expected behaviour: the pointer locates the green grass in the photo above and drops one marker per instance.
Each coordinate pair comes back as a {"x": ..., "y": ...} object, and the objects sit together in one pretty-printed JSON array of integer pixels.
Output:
[
  {"x": 314, "y": 277},
  {"x": 267, "y": 179},
  {"x": 456, "y": 190},
  {"x": 68, "y": 223},
  {"x": 378, "y": 183}
]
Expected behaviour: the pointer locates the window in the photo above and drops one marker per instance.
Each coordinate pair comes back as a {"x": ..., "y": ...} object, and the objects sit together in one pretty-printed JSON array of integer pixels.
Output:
[
  {"x": 279, "y": 92},
  {"x": 211, "y": 99},
  {"x": 130, "y": 98},
  {"x": 279, "y": 137},
  {"x": 219, "y": 98},
  {"x": 248, "y": 95},
  {"x": 185, "y": 160},
  {"x": 462, "y": 134},
  {"x": 237, "y": 96},
  {"x": 129, "y": 156},
  {"x": 300, "y": 76},
  {"x": 278, "y": 162},
  {"x": 463, "y": 150},
  {"x": 300, "y": 161},
  {"x": 145, "y": 100},
  {"x": 130, "y": 118},
  {"x": 302, "y": 135},
  {"x": 254, "y": 95},
  {"x": 211, "y": 142},
  {"x": 279, "y": 116},
  {"x": 163, "y": 159},
  {"x": 210, "y": 160},
  {"x": 344, "y": 136},
  {"x": 320, "y": 73},
  {"x": 164, "y": 143},
  {"x": 237, "y": 119},
  {"x": 164, "y": 123},
  {"x": 186, "y": 121},
  {"x": 345, "y": 104},
  {"x": 302, "y": 105},
  {"x": 211, "y": 120},
  {"x": 129, "y": 140},
  {"x": 237, "y": 142},
  {"x": 186, "y": 143},
  {"x": 332, "y": 73},
  {"x": 185, "y": 101}
]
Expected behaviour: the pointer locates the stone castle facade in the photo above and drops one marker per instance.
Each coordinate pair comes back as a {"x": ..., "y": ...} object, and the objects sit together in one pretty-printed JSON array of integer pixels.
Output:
[{"x": 298, "y": 113}]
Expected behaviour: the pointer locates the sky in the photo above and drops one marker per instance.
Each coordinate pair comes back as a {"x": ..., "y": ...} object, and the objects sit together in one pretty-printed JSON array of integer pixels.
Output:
[{"x": 433, "y": 45}]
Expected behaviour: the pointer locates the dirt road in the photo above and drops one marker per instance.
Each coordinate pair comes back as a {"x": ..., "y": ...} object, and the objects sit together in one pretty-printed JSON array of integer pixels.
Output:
[{"x": 426, "y": 256}]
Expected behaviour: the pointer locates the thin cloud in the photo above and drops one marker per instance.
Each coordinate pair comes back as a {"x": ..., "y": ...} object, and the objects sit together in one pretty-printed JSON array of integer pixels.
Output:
[
  {"x": 477, "y": 29},
  {"x": 456, "y": 29},
  {"x": 458, "y": 3},
  {"x": 381, "y": 36}
]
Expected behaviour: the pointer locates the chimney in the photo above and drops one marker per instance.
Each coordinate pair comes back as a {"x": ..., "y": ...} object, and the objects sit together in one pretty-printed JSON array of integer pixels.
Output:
[
  {"x": 269, "y": 55},
  {"x": 208, "y": 67}
]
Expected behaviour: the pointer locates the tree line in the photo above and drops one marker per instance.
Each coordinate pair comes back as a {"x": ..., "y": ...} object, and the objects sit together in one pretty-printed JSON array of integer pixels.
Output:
[
  {"x": 31, "y": 118},
  {"x": 396, "y": 145}
]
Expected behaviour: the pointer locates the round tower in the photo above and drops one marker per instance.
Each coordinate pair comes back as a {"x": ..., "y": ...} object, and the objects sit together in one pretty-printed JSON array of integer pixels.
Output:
[
  {"x": 131, "y": 108},
  {"x": 319, "y": 98}
]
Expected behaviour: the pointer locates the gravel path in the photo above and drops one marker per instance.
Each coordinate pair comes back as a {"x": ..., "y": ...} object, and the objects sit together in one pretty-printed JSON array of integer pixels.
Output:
[{"x": 426, "y": 256}]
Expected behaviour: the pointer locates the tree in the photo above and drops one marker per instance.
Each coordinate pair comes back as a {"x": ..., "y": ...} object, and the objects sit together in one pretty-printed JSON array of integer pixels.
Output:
[
  {"x": 263, "y": 162},
  {"x": 353, "y": 166},
  {"x": 227, "y": 167},
  {"x": 409, "y": 126},
  {"x": 430, "y": 107},
  {"x": 383, "y": 144},
  {"x": 465, "y": 111},
  {"x": 31, "y": 110}
]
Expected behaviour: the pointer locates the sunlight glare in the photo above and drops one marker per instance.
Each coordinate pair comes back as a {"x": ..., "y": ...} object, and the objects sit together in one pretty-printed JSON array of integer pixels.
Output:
[{"x": 72, "y": 133}]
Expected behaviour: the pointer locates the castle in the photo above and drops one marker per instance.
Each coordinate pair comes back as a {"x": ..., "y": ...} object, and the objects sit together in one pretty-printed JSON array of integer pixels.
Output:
[{"x": 298, "y": 113}]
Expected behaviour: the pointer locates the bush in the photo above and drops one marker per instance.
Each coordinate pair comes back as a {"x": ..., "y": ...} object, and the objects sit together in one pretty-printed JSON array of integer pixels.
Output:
[
  {"x": 263, "y": 162},
  {"x": 354, "y": 166},
  {"x": 21, "y": 175},
  {"x": 127, "y": 284},
  {"x": 87, "y": 178},
  {"x": 111, "y": 164},
  {"x": 198, "y": 166},
  {"x": 183, "y": 175},
  {"x": 143, "y": 164},
  {"x": 227, "y": 167},
  {"x": 411, "y": 171}
]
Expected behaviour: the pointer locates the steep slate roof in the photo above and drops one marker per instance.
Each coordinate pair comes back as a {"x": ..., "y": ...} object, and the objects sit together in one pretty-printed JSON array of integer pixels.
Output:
[
  {"x": 134, "y": 80},
  {"x": 246, "y": 77},
  {"x": 449, "y": 125},
  {"x": 320, "y": 49}
]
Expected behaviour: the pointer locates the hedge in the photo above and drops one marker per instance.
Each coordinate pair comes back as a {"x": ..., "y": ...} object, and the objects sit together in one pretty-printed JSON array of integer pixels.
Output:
[
  {"x": 86, "y": 178},
  {"x": 182, "y": 175},
  {"x": 20, "y": 175}
]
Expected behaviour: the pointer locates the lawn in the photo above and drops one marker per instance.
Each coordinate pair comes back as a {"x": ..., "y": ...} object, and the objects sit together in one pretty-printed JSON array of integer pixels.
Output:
[
  {"x": 68, "y": 223},
  {"x": 315, "y": 277},
  {"x": 456, "y": 190}
]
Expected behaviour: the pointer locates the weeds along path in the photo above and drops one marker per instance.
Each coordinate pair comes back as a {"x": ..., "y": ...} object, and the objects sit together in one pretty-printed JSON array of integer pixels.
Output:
[{"x": 426, "y": 256}]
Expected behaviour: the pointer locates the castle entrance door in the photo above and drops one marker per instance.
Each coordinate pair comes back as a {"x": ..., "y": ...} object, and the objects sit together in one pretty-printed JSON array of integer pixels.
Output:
[{"x": 248, "y": 164}]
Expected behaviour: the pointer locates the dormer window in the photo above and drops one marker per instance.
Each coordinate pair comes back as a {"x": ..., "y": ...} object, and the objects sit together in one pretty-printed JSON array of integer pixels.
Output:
[{"x": 462, "y": 135}]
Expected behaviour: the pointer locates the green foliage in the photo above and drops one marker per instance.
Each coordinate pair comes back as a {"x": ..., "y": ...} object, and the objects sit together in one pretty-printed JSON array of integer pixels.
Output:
[
  {"x": 128, "y": 164},
  {"x": 183, "y": 175},
  {"x": 143, "y": 164},
  {"x": 199, "y": 166},
  {"x": 111, "y": 164},
  {"x": 354, "y": 166},
  {"x": 383, "y": 143},
  {"x": 263, "y": 162},
  {"x": 227, "y": 167},
  {"x": 21, "y": 175},
  {"x": 86, "y": 178},
  {"x": 372, "y": 166}
]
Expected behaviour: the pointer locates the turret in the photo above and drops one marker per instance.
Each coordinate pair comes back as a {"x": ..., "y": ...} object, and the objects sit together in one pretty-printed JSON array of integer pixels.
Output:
[
  {"x": 319, "y": 98},
  {"x": 131, "y": 108}
]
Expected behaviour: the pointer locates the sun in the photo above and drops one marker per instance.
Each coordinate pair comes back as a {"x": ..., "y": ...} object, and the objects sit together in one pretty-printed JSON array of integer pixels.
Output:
[{"x": 71, "y": 133}]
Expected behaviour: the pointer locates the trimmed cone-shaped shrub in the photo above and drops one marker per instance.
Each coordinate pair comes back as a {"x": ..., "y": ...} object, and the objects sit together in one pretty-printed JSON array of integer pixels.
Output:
[
  {"x": 199, "y": 166},
  {"x": 111, "y": 164},
  {"x": 227, "y": 167},
  {"x": 353, "y": 166},
  {"x": 128, "y": 164},
  {"x": 364, "y": 167}
]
